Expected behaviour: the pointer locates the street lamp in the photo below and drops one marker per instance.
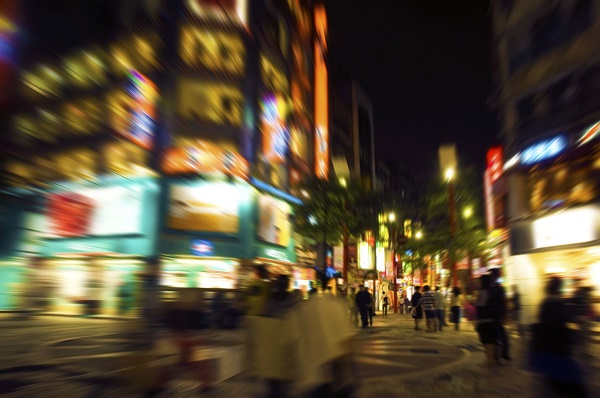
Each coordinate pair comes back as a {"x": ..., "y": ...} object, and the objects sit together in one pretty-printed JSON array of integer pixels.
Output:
[
  {"x": 419, "y": 235},
  {"x": 467, "y": 212},
  {"x": 392, "y": 217},
  {"x": 343, "y": 182},
  {"x": 449, "y": 173}
]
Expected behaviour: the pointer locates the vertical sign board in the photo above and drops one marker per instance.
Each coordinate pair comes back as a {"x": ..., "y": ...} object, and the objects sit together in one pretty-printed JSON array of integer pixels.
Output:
[{"x": 321, "y": 95}]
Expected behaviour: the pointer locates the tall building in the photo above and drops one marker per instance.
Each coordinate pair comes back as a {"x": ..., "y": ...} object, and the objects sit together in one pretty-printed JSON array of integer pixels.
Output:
[
  {"x": 352, "y": 128},
  {"x": 179, "y": 131},
  {"x": 547, "y": 98}
]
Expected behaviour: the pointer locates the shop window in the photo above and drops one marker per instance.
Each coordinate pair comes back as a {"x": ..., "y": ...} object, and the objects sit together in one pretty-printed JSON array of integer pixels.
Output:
[
  {"x": 82, "y": 117},
  {"x": 213, "y": 50},
  {"x": 85, "y": 69},
  {"x": 44, "y": 81},
  {"x": 272, "y": 76},
  {"x": 126, "y": 158},
  {"x": 139, "y": 52},
  {"x": 76, "y": 164},
  {"x": 212, "y": 102}
]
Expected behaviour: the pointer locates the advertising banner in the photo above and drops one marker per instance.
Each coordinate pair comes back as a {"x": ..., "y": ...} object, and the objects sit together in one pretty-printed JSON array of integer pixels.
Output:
[
  {"x": 274, "y": 223},
  {"x": 205, "y": 206},
  {"x": 338, "y": 258},
  {"x": 364, "y": 255},
  {"x": 97, "y": 211}
]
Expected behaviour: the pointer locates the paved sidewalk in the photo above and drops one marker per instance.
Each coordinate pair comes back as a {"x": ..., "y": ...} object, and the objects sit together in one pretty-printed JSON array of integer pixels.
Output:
[{"x": 434, "y": 370}]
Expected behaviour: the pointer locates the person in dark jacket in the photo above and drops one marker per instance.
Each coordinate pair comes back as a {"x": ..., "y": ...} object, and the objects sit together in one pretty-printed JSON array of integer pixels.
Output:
[
  {"x": 363, "y": 303},
  {"x": 551, "y": 345},
  {"x": 499, "y": 309},
  {"x": 415, "y": 303}
]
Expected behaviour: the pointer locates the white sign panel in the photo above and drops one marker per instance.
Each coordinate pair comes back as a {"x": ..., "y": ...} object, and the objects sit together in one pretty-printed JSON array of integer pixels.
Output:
[
  {"x": 566, "y": 228},
  {"x": 364, "y": 256},
  {"x": 380, "y": 258},
  {"x": 118, "y": 210}
]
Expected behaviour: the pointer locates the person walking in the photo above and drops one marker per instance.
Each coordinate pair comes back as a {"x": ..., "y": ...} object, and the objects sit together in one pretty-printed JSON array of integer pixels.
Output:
[
  {"x": 486, "y": 325},
  {"x": 406, "y": 305},
  {"x": 499, "y": 308},
  {"x": 371, "y": 306},
  {"x": 417, "y": 310},
  {"x": 551, "y": 345},
  {"x": 516, "y": 310},
  {"x": 456, "y": 303},
  {"x": 363, "y": 300},
  {"x": 384, "y": 304},
  {"x": 428, "y": 304},
  {"x": 440, "y": 307},
  {"x": 352, "y": 309}
]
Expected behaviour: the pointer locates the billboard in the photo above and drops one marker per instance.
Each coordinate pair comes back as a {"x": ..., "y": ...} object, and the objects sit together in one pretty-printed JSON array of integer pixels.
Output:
[
  {"x": 274, "y": 132},
  {"x": 204, "y": 157},
  {"x": 205, "y": 207},
  {"x": 274, "y": 223},
  {"x": 101, "y": 211}
]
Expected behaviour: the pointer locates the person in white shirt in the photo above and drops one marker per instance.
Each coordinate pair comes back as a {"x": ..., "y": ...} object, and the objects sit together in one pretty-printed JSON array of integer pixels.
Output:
[{"x": 440, "y": 307}]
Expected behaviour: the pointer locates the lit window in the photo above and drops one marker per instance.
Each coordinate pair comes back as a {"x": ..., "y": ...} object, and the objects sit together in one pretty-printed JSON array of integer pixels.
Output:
[
  {"x": 212, "y": 102},
  {"x": 213, "y": 50}
]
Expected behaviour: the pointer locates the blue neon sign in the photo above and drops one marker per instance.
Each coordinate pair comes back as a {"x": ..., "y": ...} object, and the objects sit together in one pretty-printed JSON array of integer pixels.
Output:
[
  {"x": 544, "y": 150},
  {"x": 202, "y": 247}
]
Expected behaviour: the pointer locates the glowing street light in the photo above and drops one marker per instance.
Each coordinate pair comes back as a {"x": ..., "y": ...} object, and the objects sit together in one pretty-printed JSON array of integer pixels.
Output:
[
  {"x": 419, "y": 235},
  {"x": 343, "y": 182},
  {"x": 392, "y": 217},
  {"x": 449, "y": 173},
  {"x": 468, "y": 212}
]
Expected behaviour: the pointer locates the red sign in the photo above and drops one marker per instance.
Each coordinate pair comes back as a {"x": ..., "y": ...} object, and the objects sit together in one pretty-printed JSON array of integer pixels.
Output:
[
  {"x": 494, "y": 163},
  {"x": 70, "y": 214}
]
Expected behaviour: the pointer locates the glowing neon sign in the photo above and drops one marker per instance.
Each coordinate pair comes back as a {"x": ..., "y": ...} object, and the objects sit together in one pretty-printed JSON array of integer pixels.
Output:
[
  {"x": 544, "y": 150},
  {"x": 142, "y": 125},
  {"x": 275, "y": 134}
]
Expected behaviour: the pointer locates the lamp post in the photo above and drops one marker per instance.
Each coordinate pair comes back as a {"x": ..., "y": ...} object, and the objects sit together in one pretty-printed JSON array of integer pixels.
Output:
[{"x": 450, "y": 176}]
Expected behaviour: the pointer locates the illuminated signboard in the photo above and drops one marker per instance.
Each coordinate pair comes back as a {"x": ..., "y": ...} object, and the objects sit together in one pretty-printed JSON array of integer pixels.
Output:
[
  {"x": 380, "y": 257},
  {"x": 566, "y": 227},
  {"x": 202, "y": 247},
  {"x": 204, "y": 157},
  {"x": 543, "y": 150},
  {"x": 207, "y": 207},
  {"x": 489, "y": 201},
  {"x": 364, "y": 255},
  {"x": 275, "y": 134},
  {"x": 222, "y": 10},
  {"x": 143, "y": 115},
  {"x": 494, "y": 163},
  {"x": 321, "y": 95},
  {"x": 589, "y": 134},
  {"x": 274, "y": 223}
]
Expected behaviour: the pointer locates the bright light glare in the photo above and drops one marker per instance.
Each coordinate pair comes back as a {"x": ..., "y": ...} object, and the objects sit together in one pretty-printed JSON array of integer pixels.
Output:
[
  {"x": 392, "y": 217},
  {"x": 418, "y": 234},
  {"x": 449, "y": 174},
  {"x": 312, "y": 220},
  {"x": 343, "y": 182},
  {"x": 468, "y": 212}
]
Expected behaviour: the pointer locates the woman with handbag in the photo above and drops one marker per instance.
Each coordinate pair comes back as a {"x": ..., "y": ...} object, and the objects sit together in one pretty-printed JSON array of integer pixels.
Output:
[{"x": 417, "y": 310}]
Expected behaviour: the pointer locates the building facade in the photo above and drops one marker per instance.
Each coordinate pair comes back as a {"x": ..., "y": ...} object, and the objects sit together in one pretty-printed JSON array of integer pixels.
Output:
[
  {"x": 181, "y": 133},
  {"x": 545, "y": 189}
]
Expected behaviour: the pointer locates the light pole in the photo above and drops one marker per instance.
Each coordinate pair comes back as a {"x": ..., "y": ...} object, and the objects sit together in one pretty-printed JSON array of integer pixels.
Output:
[
  {"x": 450, "y": 177},
  {"x": 345, "y": 250}
]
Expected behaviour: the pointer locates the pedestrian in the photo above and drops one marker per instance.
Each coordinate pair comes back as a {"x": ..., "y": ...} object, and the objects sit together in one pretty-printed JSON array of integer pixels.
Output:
[
  {"x": 384, "y": 304},
  {"x": 371, "y": 306},
  {"x": 363, "y": 301},
  {"x": 417, "y": 310},
  {"x": 516, "y": 310},
  {"x": 352, "y": 309},
  {"x": 581, "y": 304},
  {"x": 486, "y": 326},
  {"x": 428, "y": 304},
  {"x": 499, "y": 307},
  {"x": 440, "y": 307},
  {"x": 406, "y": 305},
  {"x": 456, "y": 302},
  {"x": 551, "y": 345}
]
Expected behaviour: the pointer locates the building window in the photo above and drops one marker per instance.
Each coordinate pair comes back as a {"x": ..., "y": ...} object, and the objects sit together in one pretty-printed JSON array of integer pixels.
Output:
[
  {"x": 85, "y": 69},
  {"x": 273, "y": 78},
  {"x": 139, "y": 52},
  {"x": 217, "y": 51},
  {"x": 210, "y": 102},
  {"x": 44, "y": 81}
]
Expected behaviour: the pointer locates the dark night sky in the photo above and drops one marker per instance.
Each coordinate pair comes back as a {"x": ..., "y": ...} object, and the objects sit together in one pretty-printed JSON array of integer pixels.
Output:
[{"x": 426, "y": 66}]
